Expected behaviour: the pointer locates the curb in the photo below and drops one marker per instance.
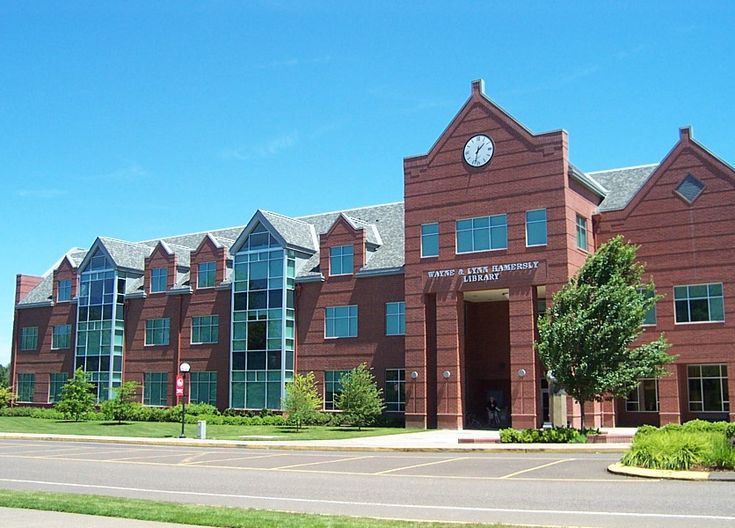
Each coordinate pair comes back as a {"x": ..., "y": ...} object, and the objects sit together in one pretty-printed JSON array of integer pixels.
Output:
[
  {"x": 631, "y": 471},
  {"x": 234, "y": 444}
]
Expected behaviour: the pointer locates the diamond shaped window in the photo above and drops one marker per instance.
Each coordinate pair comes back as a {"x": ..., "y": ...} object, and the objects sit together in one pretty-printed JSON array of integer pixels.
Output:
[{"x": 690, "y": 188}]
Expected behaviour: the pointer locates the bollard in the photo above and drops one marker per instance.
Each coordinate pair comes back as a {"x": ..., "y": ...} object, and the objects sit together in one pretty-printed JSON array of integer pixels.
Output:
[{"x": 202, "y": 429}]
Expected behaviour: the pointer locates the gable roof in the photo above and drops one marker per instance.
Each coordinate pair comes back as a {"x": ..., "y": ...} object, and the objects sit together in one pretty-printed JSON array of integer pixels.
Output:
[{"x": 622, "y": 184}]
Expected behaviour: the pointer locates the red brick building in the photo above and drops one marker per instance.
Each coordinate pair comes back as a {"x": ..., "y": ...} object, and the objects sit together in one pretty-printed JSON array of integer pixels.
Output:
[{"x": 439, "y": 294}]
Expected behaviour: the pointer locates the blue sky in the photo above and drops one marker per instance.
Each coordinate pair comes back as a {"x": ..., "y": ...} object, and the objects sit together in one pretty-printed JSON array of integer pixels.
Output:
[{"x": 143, "y": 119}]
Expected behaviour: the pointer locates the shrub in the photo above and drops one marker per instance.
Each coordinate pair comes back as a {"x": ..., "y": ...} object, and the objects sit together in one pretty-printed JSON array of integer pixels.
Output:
[
  {"x": 668, "y": 449},
  {"x": 77, "y": 397},
  {"x": 302, "y": 401},
  {"x": 6, "y": 396},
  {"x": 121, "y": 407},
  {"x": 556, "y": 435},
  {"x": 360, "y": 400}
]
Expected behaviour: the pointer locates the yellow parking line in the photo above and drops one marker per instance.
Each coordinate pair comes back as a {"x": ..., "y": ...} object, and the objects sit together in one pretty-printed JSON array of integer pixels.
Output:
[
  {"x": 322, "y": 462},
  {"x": 157, "y": 455},
  {"x": 535, "y": 468},
  {"x": 419, "y": 465}
]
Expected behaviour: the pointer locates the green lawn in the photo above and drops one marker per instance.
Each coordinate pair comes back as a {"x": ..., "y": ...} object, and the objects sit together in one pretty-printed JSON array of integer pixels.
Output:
[
  {"x": 14, "y": 424},
  {"x": 196, "y": 514}
]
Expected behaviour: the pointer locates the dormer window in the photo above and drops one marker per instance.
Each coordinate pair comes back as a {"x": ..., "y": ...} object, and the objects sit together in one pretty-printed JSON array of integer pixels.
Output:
[
  {"x": 341, "y": 260},
  {"x": 63, "y": 291},
  {"x": 159, "y": 279},
  {"x": 205, "y": 276}
]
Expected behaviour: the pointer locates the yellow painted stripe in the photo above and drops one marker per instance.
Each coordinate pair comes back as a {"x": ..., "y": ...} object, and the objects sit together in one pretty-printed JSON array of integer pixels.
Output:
[
  {"x": 403, "y": 468},
  {"x": 322, "y": 462}
]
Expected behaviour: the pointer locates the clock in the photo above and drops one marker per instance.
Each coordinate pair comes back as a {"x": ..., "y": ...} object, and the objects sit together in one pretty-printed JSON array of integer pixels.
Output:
[{"x": 478, "y": 150}]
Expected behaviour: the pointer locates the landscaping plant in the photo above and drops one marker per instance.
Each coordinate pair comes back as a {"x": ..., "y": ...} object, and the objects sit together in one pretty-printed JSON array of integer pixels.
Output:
[
  {"x": 361, "y": 400},
  {"x": 302, "y": 402},
  {"x": 77, "y": 397}
]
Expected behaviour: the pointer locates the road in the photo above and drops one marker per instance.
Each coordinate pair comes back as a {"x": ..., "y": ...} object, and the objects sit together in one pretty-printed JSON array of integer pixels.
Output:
[{"x": 539, "y": 489}]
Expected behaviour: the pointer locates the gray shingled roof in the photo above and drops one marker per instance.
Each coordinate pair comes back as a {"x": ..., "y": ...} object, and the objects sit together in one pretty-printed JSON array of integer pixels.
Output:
[
  {"x": 622, "y": 185},
  {"x": 41, "y": 293},
  {"x": 371, "y": 230},
  {"x": 125, "y": 254},
  {"x": 296, "y": 233}
]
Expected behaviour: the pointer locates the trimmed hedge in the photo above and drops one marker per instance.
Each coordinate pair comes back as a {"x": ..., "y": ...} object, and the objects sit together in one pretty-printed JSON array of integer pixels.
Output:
[{"x": 556, "y": 435}]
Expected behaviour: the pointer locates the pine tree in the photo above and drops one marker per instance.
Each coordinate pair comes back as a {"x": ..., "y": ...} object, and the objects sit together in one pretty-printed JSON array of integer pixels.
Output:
[
  {"x": 302, "y": 401},
  {"x": 77, "y": 397},
  {"x": 361, "y": 400},
  {"x": 586, "y": 335}
]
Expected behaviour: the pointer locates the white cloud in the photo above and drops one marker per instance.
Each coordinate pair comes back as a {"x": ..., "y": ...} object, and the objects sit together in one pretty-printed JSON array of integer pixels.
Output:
[{"x": 266, "y": 149}]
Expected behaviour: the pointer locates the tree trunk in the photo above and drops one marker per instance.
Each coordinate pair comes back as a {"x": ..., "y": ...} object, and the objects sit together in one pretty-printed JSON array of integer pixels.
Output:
[{"x": 581, "y": 414}]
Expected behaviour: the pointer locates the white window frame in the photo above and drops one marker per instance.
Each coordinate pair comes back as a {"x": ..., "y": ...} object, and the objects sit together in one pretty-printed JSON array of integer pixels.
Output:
[
  {"x": 490, "y": 233},
  {"x": 701, "y": 378},
  {"x": 66, "y": 288},
  {"x": 546, "y": 226},
  {"x": 709, "y": 321},
  {"x": 640, "y": 401},
  {"x": 212, "y": 324},
  {"x": 165, "y": 324},
  {"x": 424, "y": 255},
  {"x": 54, "y": 344},
  {"x": 155, "y": 280},
  {"x": 342, "y": 255},
  {"x": 213, "y": 271},
  {"x": 400, "y": 315},
  {"x": 401, "y": 380},
  {"x": 586, "y": 232},
  {"x": 334, "y": 317},
  {"x": 28, "y": 333}
]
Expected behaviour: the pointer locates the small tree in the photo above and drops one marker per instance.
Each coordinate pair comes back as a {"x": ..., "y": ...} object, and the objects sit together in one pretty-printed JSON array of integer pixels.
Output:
[
  {"x": 122, "y": 406},
  {"x": 4, "y": 376},
  {"x": 586, "y": 335},
  {"x": 6, "y": 396},
  {"x": 302, "y": 401},
  {"x": 361, "y": 400},
  {"x": 77, "y": 397}
]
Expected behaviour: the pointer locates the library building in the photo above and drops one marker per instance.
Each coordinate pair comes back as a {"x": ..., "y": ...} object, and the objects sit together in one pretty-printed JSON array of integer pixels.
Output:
[{"x": 439, "y": 293}]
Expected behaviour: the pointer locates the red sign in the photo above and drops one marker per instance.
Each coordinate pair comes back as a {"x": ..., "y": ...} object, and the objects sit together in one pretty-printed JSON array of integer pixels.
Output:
[{"x": 179, "y": 386}]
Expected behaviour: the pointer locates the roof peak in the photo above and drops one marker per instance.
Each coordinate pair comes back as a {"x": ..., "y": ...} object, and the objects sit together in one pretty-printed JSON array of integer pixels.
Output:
[
  {"x": 623, "y": 168},
  {"x": 348, "y": 210}
]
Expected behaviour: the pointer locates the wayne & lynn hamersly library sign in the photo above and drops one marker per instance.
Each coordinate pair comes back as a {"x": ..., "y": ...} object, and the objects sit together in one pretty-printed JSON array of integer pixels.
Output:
[{"x": 489, "y": 273}]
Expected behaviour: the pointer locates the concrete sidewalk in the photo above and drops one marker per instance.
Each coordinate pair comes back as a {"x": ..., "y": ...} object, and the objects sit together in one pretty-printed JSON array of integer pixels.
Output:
[
  {"x": 21, "y": 518},
  {"x": 431, "y": 440}
]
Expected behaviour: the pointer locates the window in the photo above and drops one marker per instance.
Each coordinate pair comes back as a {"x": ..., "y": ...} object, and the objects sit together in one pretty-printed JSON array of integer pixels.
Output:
[
  {"x": 650, "y": 318},
  {"x": 25, "y": 386},
  {"x": 204, "y": 329},
  {"x": 159, "y": 279},
  {"x": 63, "y": 291},
  {"x": 341, "y": 321},
  {"x": 644, "y": 398},
  {"x": 395, "y": 390},
  {"x": 690, "y": 188},
  {"x": 341, "y": 260},
  {"x": 395, "y": 318},
  {"x": 56, "y": 382},
  {"x": 155, "y": 388},
  {"x": 157, "y": 331},
  {"x": 203, "y": 388},
  {"x": 482, "y": 234},
  {"x": 708, "y": 388},
  {"x": 61, "y": 338},
  {"x": 29, "y": 338},
  {"x": 699, "y": 303},
  {"x": 332, "y": 388},
  {"x": 582, "y": 232},
  {"x": 205, "y": 275},
  {"x": 536, "y": 227},
  {"x": 430, "y": 240}
]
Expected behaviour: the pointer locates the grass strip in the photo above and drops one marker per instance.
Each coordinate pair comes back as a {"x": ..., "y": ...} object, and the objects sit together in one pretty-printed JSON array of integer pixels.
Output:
[{"x": 195, "y": 514}]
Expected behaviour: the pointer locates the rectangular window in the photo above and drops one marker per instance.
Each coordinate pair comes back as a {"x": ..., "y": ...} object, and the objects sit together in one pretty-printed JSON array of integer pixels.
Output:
[
  {"x": 155, "y": 389},
  {"x": 205, "y": 275},
  {"x": 29, "y": 338},
  {"x": 204, "y": 329},
  {"x": 536, "y": 227},
  {"x": 341, "y": 321},
  {"x": 56, "y": 382},
  {"x": 582, "y": 232},
  {"x": 650, "y": 318},
  {"x": 332, "y": 387},
  {"x": 395, "y": 390},
  {"x": 63, "y": 292},
  {"x": 430, "y": 240},
  {"x": 25, "y": 387},
  {"x": 157, "y": 331},
  {"x": 395, "y": 318},
  {"x": 61, "y": 338},
  {"x": 699, "y": 303},
  {"x": 482, "y": 234},
  {"x": 341, "y": 260},
  {"x": 708, "y": 388},
  {"x": 159, "y": 279},
  {"x": 643, "y": 398},
  {"x": 203, "y": 388}
]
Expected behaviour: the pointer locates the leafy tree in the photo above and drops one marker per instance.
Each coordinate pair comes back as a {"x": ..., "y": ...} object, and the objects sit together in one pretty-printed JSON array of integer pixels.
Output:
[
  {"x": 4, "y": 376},
  {"x": 302, "y": 401},
  {"x": 6, "y": 396},
  {"x": 77, "y": 397},
  {"x": 361, "y": 400},
  {"x": 122, "y": 406},
  {"x": 586, "y": 335}
]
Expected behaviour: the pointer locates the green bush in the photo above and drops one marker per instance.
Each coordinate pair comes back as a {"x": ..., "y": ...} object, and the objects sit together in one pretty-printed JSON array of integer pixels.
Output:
[
  {"x": 556, "y": 435},
  {"x": 6, "y": 396}
]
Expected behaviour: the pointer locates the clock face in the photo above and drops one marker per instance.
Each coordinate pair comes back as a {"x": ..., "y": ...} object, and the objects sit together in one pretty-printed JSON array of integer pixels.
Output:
[{"x": 478, "y": 150}]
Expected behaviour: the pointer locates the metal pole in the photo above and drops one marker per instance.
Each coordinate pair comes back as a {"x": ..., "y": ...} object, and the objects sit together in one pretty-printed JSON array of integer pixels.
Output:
[{"x": 183, "y": 410}]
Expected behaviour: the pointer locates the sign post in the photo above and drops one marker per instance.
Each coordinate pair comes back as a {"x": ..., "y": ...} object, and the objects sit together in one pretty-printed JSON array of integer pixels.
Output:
[{"x": 179, "y": 386}]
